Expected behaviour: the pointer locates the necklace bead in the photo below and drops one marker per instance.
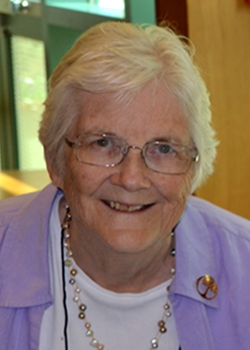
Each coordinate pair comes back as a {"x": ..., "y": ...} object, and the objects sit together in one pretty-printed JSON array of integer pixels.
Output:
[
  {"x": 73, "y": 272},
  {"x": 168, "y": 313},
  {"x": 67, "y": 263},
  {"x": 89, "y": 333},
  {"x": 166, "y": 306},
  {"x": 82, "y": 315},
  {"x": 69, "y": 253},
  {"x": 161, "y": 323},
  {"x": 163, "y": 330},
  {"x": 94, "y": 343},
  {"x": 154, "y": 343},
  {"x": 82, "y": 307}
]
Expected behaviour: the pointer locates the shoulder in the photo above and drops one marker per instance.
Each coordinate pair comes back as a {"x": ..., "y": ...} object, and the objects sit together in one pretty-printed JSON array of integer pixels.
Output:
[
  {"x": 9, "y": 207},
  {"x": 218, "y": 219},
  {"x": 20, "y": 208},
  {"x": 14, "y": 203}
]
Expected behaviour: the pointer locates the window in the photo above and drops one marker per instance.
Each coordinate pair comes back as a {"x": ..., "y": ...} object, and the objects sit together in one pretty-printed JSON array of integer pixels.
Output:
[{"x": 29, "y": 93}]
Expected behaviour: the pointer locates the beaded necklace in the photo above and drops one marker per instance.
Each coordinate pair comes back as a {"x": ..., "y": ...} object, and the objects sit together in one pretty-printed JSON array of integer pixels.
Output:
[{"x": 69, "y": 263}]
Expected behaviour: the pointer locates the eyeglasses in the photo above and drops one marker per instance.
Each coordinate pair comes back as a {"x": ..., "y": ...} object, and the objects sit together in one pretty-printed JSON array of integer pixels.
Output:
[{"x": 109, "y": 151}]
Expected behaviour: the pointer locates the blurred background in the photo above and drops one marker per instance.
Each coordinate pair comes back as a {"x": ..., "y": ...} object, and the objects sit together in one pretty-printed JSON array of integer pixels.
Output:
[{"x": 35, "y": 34}]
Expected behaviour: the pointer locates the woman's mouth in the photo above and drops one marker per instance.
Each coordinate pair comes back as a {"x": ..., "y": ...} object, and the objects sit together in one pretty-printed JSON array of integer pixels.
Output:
[{"x": 124, "y": 207}]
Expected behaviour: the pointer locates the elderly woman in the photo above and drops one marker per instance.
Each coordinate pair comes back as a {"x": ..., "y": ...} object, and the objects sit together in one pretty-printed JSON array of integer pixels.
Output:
[{"x": 117, "y": 254}]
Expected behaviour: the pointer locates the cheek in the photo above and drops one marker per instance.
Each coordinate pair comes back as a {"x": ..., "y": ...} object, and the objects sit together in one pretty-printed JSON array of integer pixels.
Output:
[
  {"x": 176, "y": 188},
  {"x": 73, "y": 184},
  {"x": 175, "y": 193},
  {"x": 77, "y": 191},
  {"x": 81, "y": 184}
]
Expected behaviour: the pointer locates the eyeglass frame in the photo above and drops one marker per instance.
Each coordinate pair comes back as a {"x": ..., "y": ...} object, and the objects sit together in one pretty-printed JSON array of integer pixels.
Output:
[{"x": 193, "y": 158}]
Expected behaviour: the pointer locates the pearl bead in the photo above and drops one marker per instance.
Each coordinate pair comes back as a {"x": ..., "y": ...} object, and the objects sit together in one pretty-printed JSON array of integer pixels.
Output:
[
  {"x": 88, "y": 325},
  {"x": 89, "y": 333},
  {"x": 82, "y": 307},
  {"x": 100, "y": 347},
  {"x": 67, "y": 263},
  {"x": 154, "y": 343},
  {"x": 167, "y": 306},
  {"x": 81, "y": 315},
  {"x": 72, "y": 281},
  {"x": 94, "y": 343},
  {"x": 161, "y": 323},
  {"x": 69, "y": 253},
  {"x": 73, "y": 272},
  {"x": 163, "y": 329}
]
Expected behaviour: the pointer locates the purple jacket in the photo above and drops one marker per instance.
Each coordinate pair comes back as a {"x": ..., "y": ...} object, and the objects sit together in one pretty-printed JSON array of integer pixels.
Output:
[{"x": 209, "y": 241}]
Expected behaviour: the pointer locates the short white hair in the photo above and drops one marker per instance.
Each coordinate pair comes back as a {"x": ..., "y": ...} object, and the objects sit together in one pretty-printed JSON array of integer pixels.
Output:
[{"x": 121, "y": 58}]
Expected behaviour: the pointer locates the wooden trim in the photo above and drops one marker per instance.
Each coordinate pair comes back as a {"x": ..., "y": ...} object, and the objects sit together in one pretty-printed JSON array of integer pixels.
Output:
[{"x": 175, "y": 12}]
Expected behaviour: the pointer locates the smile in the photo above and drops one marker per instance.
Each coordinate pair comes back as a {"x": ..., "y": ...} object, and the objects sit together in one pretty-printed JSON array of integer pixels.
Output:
[{"x": 125, "y": 208}]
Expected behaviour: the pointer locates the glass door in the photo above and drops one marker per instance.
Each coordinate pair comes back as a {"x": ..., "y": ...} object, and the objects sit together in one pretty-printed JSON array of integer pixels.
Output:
[{"x": 24, "y": 87}]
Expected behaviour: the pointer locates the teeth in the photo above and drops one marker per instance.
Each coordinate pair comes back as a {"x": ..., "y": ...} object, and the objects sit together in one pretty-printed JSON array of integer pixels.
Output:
[
  {"x": 117, "y": 206},
  {"x": 124, "y": 207}
]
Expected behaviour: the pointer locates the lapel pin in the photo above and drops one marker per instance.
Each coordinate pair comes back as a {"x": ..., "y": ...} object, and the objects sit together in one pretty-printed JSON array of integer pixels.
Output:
[{"x": 207, "y": 287}]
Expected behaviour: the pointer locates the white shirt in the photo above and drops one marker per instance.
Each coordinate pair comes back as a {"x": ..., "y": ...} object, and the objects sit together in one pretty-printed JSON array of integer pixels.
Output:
[{"x": 120, "y": 321}]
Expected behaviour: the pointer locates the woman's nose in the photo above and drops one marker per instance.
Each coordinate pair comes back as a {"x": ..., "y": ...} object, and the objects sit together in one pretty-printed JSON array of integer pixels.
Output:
[{"x": 131, "y": 173}]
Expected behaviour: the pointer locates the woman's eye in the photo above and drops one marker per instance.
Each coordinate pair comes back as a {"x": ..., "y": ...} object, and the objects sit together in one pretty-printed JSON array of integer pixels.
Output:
[
  {"x": 165, "y": 148},
  {"x": 103, "y": 142}
]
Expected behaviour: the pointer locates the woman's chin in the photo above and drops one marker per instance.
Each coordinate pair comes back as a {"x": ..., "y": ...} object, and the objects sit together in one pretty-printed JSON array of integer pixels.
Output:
[{"x": 131, "y": 242}]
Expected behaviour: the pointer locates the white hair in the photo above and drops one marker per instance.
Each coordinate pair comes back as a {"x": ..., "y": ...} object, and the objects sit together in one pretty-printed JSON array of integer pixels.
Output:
[{"x": 121, "y": 58}]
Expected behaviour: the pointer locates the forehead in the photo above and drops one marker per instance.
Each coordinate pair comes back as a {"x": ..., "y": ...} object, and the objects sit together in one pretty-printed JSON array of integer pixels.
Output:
[{"x": 152, "y": 112}]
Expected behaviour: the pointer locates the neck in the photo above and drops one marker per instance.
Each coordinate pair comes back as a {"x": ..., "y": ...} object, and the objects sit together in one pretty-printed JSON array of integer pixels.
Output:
[{"x": 124, "y": 272}]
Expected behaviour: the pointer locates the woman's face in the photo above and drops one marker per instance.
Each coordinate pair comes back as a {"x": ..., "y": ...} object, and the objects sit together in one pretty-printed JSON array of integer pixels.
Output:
[{"x": 128, "y": 208}]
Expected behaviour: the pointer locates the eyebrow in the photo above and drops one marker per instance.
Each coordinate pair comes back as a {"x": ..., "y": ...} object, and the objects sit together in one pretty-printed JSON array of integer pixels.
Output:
[
  {"x": 169, "y": 139},
  {"x": 98, "y": 132}
]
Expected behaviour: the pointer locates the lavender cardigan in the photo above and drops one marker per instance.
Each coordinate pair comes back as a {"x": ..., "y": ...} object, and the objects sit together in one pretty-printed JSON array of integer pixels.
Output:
[{"x": 209, "y": 241}]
